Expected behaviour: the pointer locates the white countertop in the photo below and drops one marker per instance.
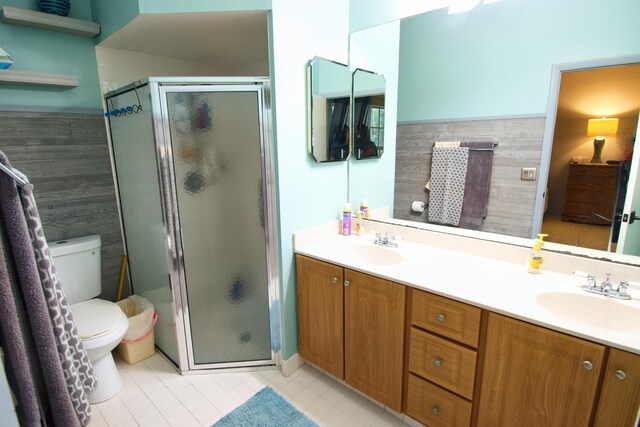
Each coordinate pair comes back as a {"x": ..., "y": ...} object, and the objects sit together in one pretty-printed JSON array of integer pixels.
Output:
[{"x": 499, "y": 286}]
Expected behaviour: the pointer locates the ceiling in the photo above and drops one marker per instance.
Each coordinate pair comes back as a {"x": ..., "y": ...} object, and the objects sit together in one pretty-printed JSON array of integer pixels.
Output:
[
  {"x": 600, "y": 92},
  {"x": 231, "y": 38}
]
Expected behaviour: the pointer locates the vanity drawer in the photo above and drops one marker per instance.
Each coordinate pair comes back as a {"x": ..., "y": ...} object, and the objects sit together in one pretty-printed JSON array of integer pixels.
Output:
[
  {"x": 452, "y": 319},
  {"x": 435, "y": 407},
  {"x": 442, "y": 362}
]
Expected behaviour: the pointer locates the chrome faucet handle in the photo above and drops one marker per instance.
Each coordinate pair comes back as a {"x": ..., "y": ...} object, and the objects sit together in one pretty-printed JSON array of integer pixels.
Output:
[
  {"x": 591, "y": 280},
  {"x": 622, "y": 287}
]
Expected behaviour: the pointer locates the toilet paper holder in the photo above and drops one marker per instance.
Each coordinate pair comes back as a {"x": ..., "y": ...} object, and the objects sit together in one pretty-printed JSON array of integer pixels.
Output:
[{"x": 418, "y": 206}]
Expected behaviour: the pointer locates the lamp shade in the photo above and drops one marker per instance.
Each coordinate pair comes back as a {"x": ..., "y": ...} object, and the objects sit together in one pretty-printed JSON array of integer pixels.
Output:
[{"x": 602, "y": 127}]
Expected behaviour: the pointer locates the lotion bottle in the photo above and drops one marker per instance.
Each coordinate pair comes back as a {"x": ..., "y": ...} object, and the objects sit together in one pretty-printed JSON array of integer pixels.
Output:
[
  {"x": 364, "y": 208},
  {"x": 534, "y": 264},
  {"x": 359, "y": 226},
  {"x": 346, "y": 219}
]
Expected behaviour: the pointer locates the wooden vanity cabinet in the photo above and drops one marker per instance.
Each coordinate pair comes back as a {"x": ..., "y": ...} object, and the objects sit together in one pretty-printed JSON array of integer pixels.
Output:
[
  {"x": 464, "y": 366},
  {"x": 320, "y": 314},
  {"x": 374, "y": 337},
  {"x": 443, "y": 343},
  {"x": 352, "y": 327},
  {"x": 537, "y": 377},
  {"x": 620, "y": 396}
]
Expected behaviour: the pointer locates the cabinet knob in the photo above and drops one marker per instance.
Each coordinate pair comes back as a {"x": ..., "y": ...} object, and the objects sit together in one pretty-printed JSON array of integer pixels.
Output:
[
  {"x": 434, "y": 411},
  {"x": 347, "y": 283},
  {"x": 587, "y": 365},
  {"x": 620, "y": 374},
  {"x": 437, "y": 363},
  {"x": 440, "y": 318},
  {"x": 334, "y": 280}
]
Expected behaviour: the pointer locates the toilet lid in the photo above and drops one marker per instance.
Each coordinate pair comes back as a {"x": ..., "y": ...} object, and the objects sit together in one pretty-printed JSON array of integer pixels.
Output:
[{"x": 96, "y": 317}]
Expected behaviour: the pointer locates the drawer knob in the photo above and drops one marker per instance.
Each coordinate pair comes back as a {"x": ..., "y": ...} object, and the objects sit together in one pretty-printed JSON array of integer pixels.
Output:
[
  {"x": 334, "y": 280},
  {"x": 437, "y": 363},
  {"x": 587, "y": 365},
  {"x": 434, "y": 411},
  {"x": 620, "y": 374},
  {"x": 347, "y": 283},
  {"x": 440, "y": 318}
]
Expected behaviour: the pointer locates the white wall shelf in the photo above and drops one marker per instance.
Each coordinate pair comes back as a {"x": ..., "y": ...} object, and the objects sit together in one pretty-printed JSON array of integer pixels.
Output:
[
  {"x": 38, "y": 79},
  {"x": 47, "y": 21}
]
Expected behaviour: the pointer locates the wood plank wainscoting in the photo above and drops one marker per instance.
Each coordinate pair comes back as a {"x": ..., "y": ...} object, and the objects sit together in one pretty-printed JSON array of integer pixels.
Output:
[
  {"x": 66, "y": 157},
  {"x": 511, "y": 200}
]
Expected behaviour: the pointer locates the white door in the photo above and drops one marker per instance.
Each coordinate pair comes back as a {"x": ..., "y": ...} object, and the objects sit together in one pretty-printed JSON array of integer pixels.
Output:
[{"x": 629, "y": 240}]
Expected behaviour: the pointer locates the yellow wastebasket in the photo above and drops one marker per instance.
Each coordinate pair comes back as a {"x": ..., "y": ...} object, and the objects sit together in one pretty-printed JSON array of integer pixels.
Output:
[{"x": 138, "y": 342}]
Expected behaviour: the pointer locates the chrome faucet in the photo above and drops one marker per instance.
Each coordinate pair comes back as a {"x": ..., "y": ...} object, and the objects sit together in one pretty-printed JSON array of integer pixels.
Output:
[
  {"x": 606, "y": 287},
  {"x": 388, "y": 241}
]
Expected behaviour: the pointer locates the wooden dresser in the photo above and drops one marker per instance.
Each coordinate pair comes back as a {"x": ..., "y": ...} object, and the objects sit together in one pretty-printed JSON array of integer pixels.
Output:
[{"x": 591, "y": 188}]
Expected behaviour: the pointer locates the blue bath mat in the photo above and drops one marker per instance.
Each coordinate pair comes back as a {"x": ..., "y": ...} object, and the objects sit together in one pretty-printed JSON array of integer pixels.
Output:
[{"x": 266, "y": 408}]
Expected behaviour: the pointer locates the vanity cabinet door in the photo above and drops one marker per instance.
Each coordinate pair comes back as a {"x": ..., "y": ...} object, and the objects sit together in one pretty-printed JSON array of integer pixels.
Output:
[
  {"x": 620, "y": 395},
  {"x": 320, "y": 314},
  {"x": 374, "y": 337},
  {"x": 536, "y": 377}
]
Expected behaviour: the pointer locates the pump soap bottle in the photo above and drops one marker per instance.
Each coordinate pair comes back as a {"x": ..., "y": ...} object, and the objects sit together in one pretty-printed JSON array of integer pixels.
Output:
[{"x": 534, "y": 265}]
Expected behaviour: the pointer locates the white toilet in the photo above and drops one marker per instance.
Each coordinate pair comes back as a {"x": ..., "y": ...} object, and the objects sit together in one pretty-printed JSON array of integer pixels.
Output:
[{"x": 101, "y": 324}]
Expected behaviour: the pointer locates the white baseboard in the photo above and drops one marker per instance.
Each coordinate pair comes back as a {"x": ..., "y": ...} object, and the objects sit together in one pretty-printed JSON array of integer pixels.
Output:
[{"x": 291, "y": 365}]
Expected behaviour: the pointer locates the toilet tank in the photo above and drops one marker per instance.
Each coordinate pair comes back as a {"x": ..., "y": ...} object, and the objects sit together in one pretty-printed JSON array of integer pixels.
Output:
[{"x": 78, "y": 265}]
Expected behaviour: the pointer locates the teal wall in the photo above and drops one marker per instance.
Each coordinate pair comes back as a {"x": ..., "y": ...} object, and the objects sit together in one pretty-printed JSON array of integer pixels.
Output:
[
  {"x": 309, "y": 193},
  {"x": 34, "y": 49},
  {"x": 496, "y": 59},
  {"x": 173, "y": 6},
  {"x": 113, "y": 15}
]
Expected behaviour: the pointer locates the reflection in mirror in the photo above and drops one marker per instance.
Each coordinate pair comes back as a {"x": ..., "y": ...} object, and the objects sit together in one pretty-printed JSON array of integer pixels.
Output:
[
  {"x": 479, "y": 87},
  {"x": 368, "y": 114},
  {"x": 328, "y": 96}
]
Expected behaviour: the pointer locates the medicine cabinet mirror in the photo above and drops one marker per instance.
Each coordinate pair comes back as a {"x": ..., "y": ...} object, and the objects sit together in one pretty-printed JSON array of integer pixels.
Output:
[
  {"x": 368, "y": 114},
  {"x": 328, "y": 106}
]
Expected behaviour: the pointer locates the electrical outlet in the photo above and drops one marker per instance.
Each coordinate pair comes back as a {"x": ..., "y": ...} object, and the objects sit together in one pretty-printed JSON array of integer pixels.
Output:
[{"x": 528, "y": 174}]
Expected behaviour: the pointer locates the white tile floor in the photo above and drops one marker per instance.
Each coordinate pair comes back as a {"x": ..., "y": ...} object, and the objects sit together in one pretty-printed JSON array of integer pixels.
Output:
[{"x": 154, "y": 394}]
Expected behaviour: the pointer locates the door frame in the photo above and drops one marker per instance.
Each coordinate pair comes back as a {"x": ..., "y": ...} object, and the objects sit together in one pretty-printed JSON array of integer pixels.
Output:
[
  {"x": 628, "y": 201},
  {"x": 550, "y": 124}
]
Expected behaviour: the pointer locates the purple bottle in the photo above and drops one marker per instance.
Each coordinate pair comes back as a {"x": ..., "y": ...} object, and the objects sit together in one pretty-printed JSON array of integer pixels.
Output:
[{"x": 346, "y": 220}]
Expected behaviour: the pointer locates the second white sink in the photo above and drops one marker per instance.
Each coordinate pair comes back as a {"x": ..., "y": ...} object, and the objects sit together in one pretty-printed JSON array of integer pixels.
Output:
[{"x": 595, "y": 311}]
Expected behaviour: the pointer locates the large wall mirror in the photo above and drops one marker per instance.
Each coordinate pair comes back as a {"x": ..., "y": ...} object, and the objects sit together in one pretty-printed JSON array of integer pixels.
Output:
[
  {"x": 368, "y": 114},
  {"x": 328, "y": 108},
  {"x": 461, "y": 82}
]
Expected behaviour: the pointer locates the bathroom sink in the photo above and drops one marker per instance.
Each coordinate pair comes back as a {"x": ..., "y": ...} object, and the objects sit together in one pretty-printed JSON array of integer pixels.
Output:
[
  {"x": 591, "y": 310},
  {"x": 378, "y": 255}
]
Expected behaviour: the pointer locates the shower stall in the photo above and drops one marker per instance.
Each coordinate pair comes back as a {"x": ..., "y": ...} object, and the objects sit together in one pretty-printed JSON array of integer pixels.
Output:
[{"x": 194, "y": 170}]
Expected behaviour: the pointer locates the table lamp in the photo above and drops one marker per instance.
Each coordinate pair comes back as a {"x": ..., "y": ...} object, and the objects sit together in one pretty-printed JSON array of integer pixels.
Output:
[{"x": 600, "y": 128}]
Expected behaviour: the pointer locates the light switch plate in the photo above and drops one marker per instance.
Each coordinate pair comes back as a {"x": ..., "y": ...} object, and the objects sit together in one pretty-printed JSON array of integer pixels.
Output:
[{"x": 528, "y": 174}]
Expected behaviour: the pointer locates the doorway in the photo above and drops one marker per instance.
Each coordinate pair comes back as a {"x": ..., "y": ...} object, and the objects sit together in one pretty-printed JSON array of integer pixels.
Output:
[{"x": 581, "y": 201}]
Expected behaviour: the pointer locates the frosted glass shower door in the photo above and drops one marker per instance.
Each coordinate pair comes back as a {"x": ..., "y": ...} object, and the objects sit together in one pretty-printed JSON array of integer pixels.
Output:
[
  {"x": 216, "y": 144},
  {"x": 135, "y": 158}
]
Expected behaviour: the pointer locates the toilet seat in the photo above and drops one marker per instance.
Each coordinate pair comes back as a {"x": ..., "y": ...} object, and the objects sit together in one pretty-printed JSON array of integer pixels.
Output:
[{"x": 96, "y": 318}]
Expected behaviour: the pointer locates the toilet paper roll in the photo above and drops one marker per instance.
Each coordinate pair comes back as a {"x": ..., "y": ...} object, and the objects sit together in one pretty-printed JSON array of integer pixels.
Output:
[{"x": 417, "y": 206}]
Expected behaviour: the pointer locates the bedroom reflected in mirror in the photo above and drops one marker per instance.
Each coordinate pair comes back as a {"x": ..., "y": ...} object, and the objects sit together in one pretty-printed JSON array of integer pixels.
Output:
[
  {"x": 328, "y": 106},
  {"x": 368, "y": 114}
]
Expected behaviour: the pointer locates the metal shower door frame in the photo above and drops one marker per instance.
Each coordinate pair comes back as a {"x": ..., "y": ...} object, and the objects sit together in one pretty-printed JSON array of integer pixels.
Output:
[{"x": 160, "y": 87}]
